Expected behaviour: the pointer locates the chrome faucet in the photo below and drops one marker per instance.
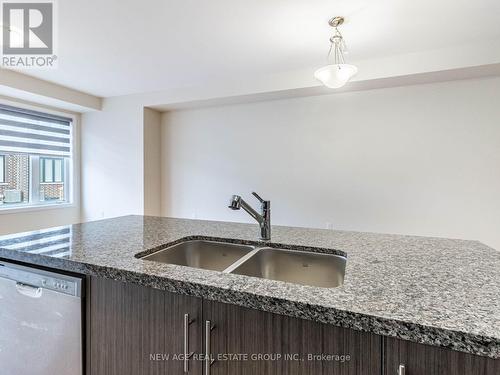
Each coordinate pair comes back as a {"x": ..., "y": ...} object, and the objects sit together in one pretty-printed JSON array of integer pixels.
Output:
[{"x": 264, "y": 218}]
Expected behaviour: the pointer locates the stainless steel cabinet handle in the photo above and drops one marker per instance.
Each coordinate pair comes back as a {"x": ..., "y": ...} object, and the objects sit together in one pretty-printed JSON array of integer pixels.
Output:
[
  {"x": 402, "y": 370},
  {"x": 208, "y": 350},
  {"x": 187, "y": 353}
]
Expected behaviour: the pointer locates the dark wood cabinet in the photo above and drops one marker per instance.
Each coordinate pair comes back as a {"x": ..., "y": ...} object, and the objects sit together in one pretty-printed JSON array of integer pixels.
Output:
[
  {"x": 247, "y": 342},
  {"x": 134, "y": 330},
  {"x": 421, "y": 359}
]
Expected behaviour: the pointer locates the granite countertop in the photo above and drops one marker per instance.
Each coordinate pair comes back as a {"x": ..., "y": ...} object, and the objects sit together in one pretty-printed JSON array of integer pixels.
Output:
[{"x": 435, "y": 291}]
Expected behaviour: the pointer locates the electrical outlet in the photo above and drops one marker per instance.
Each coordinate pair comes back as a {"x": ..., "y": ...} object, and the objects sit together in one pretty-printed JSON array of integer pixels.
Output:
[{"x": 329, "y": 226}]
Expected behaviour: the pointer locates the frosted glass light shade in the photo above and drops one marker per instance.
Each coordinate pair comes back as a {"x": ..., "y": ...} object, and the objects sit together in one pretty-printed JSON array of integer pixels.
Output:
[{"x": 335, "y": 76}]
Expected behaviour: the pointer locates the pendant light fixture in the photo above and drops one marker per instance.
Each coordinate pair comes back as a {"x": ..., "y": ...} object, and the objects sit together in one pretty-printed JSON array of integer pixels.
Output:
[{"x": 337, "y": 72}]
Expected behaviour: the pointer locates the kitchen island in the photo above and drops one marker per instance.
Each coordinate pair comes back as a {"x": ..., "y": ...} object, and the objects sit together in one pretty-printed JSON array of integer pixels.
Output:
[{"x": 398, "y": 290}]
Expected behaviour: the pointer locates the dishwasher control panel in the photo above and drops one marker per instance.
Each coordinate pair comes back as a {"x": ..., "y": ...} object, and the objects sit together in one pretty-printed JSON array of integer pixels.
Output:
[
  {"x": 58, "y": 284},
  {"x": 41, "y": 279}
]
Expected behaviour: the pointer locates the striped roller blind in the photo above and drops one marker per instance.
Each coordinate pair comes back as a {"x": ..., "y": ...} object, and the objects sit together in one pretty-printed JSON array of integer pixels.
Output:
[{"x": 25, "y": 131}]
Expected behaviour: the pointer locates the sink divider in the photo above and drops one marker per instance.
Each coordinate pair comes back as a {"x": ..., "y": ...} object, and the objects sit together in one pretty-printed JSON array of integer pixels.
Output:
[{"x": 243, "y": 259}]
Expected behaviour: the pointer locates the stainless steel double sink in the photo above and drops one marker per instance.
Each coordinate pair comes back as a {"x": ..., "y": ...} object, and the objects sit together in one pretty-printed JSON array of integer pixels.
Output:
[{"x": 294, "y": 266}]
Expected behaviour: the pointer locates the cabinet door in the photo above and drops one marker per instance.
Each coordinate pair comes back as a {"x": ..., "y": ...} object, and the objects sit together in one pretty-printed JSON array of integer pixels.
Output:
[
  {"x": 248, "y": 342},
  {"x": 135, "y": 330},
  {"x": 421, "y": 359}
]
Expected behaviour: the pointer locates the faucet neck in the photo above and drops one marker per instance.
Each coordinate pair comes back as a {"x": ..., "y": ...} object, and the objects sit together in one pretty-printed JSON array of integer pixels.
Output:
[
  {"x": 263, "y": 218},
  {"x": 258, "y": 217},
  {"x": 265, "y": 225}
]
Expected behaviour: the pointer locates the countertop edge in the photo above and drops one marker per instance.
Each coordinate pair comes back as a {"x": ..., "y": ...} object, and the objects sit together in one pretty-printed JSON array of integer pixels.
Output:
[{"x": 439, "y": 337}]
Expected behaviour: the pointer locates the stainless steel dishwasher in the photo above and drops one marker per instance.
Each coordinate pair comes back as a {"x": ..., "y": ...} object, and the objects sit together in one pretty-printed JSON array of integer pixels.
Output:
[{"x": 40, "y": 322}]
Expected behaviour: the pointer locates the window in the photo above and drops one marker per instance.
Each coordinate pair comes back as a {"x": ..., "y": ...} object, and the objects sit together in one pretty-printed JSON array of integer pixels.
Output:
[
  {"x": 35, "y": 160},
  {"x": 2, "y": 169},
  {"x": 51, "y": 170}
]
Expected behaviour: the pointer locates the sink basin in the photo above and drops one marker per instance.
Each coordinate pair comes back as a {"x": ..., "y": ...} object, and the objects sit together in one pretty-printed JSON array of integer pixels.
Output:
[
  {"x": 300, "y": 267},
  {"x": 294, "y": 266},
  {"x": 210, "y": 255}
]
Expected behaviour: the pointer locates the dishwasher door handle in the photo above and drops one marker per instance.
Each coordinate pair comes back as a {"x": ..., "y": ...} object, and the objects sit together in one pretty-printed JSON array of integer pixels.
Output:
[{"x": 29, "y": 290}]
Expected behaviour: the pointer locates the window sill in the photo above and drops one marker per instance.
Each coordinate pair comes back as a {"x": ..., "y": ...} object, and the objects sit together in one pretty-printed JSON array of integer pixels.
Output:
[{"x": 7, "y": 209}]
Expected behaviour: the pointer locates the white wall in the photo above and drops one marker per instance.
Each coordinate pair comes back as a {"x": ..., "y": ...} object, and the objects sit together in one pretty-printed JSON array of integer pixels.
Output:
[
  {"x": 152, "y": 162},
  {"x": 112, "y": 160},
  {"x": 14, "y": 222},
  {"x": 418, "y": 160},
  {"x": 113, "y": 145}
]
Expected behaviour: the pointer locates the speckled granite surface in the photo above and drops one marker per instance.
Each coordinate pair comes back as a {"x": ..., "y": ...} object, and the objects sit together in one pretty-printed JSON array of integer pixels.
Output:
[{"x": 435, "y": 291}]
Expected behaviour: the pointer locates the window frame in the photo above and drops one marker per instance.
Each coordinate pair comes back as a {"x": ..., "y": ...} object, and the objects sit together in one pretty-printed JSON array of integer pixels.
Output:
[
  {"x": 3, "y": 170},
  {"x": 71, "y": 169}
]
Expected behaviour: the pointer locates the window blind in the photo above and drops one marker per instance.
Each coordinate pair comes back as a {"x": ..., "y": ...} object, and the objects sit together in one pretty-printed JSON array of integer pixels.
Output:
[{"x": 26, "y": 131}]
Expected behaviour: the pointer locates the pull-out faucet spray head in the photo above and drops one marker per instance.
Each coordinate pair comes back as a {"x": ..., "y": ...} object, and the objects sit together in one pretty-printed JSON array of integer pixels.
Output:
[{"x": 235, "y": 202}]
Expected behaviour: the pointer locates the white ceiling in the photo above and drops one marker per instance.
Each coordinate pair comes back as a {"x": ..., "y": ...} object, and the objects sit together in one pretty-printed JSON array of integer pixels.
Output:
[{"x": 119, "y": 47}]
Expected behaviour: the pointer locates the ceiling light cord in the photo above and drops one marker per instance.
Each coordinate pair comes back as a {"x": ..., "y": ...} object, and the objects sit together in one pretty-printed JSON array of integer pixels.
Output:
[{"x": 337, "y": 45}]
